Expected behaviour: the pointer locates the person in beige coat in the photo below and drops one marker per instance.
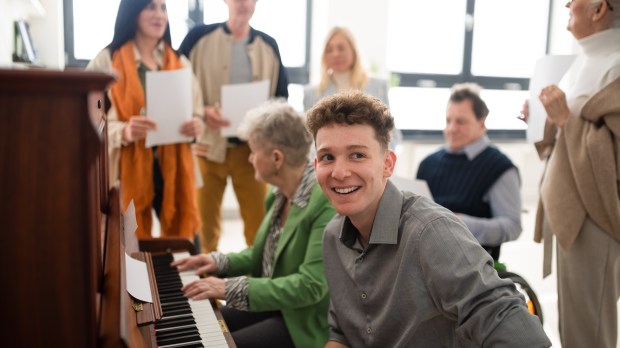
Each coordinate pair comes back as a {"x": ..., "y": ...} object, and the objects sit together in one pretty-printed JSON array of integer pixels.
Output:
[{"x": 579, "y": 194}]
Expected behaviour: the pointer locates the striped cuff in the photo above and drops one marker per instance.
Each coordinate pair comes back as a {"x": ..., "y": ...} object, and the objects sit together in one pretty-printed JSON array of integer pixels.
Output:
[
  {"x": 221, "y": 263},
  {"x": 237, "y": 293}
]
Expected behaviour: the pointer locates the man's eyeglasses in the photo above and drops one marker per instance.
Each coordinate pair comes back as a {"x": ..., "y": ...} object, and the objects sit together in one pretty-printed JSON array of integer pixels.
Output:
[{"x": 611, "y": 8}]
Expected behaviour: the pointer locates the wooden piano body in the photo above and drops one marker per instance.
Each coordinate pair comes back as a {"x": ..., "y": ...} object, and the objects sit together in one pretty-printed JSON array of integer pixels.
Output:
[{"x": 62, "y": 259}]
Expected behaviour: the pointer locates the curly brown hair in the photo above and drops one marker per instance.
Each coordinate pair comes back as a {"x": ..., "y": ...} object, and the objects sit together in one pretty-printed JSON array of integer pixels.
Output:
[{"x": 352, "y": 108}]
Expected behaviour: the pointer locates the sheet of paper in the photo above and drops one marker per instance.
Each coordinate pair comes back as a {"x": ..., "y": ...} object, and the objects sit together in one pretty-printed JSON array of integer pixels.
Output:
[
  {"x": 130, "y": 225},
  {"x": 416, "y": 186},
  {"x": 237, "y": 99},
  {"x": 137, "y": 278},
  {"x": 169, "y": 103},
  {"x": 549, "y": 70}
]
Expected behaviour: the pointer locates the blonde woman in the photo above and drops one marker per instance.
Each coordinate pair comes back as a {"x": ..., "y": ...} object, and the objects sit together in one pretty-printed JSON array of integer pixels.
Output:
[{"x": 342, "y": 70}]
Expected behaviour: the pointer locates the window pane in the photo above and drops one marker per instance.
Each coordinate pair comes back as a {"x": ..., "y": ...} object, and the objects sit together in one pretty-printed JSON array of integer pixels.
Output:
[
  {"x": 296, "y": 96},
  {"x": 426, "y": 36},
  {"x": 289, "y": 31},
  {"x": 425, "y": 108},
  {"x": 93, "y": 25},
  {"x": 504, "y": 107},
  {"x": 509, "y": 36},
  {"x": 419, "y": 108}
]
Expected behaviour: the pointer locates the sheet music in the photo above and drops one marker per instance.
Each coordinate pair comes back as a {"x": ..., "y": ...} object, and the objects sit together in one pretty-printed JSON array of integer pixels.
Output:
[
  {"x": 238, "y": 99},
  {"x": 137, "y": 278},
  {"x": 549, "y": 70},
  {"x": 130, "y": 225},
  {"x": 169, "y": 103}
]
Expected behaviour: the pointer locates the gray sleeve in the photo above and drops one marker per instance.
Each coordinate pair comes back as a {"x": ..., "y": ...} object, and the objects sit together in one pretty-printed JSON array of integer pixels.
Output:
[
  {"x": 505, "y": 200},
  {"x": 460, "y": 278},
  {"x": 335, "y": 334}
]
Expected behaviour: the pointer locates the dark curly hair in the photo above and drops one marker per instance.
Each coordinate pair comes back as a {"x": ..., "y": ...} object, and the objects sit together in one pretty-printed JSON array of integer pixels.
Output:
[{"x": 352, "y": 108}]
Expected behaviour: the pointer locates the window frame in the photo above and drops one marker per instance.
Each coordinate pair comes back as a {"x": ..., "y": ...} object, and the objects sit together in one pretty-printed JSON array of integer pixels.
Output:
[
  {"x": 297, "y": 75},
  {"x": 486, "y": 82}
]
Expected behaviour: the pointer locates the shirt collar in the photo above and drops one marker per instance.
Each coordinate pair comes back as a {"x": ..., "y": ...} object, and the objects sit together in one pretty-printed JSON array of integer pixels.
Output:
[
  {"x": 302, "y": 194},
  {"x": 250, "y": 37},
  {"x": 159, "y": 54},
  {"x": 472, "y": 150},
  {"x": 602, "y": 43},
  {"x": 387, "y": 219}
]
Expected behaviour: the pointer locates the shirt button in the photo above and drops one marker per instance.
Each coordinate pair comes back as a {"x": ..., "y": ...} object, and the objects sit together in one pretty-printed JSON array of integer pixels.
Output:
[
  {"x": 364, "y": 295},
  {"x": 369, "y": 330}
]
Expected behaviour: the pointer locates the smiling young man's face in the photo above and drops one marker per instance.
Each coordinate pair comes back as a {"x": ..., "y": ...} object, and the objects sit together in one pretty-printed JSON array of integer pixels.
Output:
[{"x": 352, "y": 169}]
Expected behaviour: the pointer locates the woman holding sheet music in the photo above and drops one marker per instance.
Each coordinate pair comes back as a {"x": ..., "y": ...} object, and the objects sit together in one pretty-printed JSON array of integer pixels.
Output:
[{"x": 163, "y": 177}]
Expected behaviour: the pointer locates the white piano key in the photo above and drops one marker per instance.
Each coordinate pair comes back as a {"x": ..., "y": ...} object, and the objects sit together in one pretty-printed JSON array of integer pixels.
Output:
[{"x": 208, "y": 326}]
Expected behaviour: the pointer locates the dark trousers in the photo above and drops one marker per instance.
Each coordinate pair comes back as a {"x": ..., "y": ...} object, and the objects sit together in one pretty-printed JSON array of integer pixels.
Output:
[{"x": 257, "y": 329}]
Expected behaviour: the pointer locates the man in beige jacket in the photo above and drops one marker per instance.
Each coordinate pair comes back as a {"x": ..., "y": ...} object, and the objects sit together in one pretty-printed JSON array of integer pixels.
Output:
[{"x": 229, "y": 53}]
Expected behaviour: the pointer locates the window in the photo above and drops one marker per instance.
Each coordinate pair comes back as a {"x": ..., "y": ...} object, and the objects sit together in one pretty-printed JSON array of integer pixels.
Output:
[
  {"x": 89, "y": 27},
  {"x": 432, "y": 46}
]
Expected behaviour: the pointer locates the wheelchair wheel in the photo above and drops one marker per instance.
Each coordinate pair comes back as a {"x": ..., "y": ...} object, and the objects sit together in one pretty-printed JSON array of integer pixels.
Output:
[{"x": 533, "y": 305}]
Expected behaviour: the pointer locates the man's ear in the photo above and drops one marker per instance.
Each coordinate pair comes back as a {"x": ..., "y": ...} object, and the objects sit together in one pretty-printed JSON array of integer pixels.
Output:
[
  {"x": 601, "y": 11},
  {"x": 389, "y": 164}
]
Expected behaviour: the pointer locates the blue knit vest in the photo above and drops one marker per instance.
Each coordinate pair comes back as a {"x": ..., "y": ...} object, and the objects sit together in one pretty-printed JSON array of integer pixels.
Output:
[{"x": 460, "y": 184}]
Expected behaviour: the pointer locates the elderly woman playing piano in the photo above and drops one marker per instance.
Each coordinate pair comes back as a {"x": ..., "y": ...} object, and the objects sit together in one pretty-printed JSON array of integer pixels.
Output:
[{"x": 275, "y": 291}]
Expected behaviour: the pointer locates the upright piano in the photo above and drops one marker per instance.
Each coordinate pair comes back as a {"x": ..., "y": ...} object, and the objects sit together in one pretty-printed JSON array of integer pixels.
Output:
[{"x": 62, "y": 256}]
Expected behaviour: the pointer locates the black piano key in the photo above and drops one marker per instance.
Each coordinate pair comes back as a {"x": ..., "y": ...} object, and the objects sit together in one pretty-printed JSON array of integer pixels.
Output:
[
  {"x": 184, "y": 345},
  {"x": 176, "y": 332},
  {"x": 178, "y": 340},
  {"x": 177, "y": 327},
  {"x": 162, "y": 324}
]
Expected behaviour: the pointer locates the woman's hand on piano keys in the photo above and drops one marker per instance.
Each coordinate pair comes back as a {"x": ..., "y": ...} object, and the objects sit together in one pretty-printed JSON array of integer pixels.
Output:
[
  {"x": 210, "y": 287},
  {"x": 203, "y": 264}
]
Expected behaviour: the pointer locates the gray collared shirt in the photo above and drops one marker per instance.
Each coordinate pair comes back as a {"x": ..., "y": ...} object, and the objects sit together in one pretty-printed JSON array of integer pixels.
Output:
[
  {"x": 504, "y": 197},
  {"x": 423, "y": 281}
]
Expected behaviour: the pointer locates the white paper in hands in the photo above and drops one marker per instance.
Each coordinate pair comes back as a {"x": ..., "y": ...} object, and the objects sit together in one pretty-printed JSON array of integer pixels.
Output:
[
  {"x": 238, "y": 99},
  {"x": 549, "y": 70},
  {"x": 169, "y": 103}
]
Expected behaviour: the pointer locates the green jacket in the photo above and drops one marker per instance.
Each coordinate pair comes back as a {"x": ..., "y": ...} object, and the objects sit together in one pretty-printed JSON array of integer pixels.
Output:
[{"x": 298, "y": 287}]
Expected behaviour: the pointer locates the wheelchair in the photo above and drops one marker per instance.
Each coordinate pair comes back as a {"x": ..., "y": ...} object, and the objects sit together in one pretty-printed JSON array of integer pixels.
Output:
[{"x": 531, "y": 300}]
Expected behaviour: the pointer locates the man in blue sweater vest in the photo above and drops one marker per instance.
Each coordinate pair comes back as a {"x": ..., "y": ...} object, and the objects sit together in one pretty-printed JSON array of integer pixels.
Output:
[{"x": 472, "y": 177}]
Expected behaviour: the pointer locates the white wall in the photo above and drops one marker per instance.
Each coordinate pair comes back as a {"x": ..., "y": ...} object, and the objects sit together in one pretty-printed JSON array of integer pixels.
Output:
[{"x": 45, "y": 18}]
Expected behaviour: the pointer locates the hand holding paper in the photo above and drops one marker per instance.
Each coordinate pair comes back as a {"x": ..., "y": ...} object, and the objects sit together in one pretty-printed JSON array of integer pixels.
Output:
[
  {"x": 214, "y": 118},
  {"x": 549, "y": 70}
]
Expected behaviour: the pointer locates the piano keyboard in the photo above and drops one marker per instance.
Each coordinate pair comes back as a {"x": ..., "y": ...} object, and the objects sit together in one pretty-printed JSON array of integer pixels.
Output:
[{"x": 184, "y": 323}]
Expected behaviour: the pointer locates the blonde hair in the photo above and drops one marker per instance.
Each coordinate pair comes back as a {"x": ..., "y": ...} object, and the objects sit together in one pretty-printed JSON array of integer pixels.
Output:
[{"x": 359, "y": 76}]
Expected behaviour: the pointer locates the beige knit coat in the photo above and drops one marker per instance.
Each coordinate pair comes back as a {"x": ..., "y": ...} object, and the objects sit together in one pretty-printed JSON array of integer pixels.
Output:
[{"x": 582, "y": 176}]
